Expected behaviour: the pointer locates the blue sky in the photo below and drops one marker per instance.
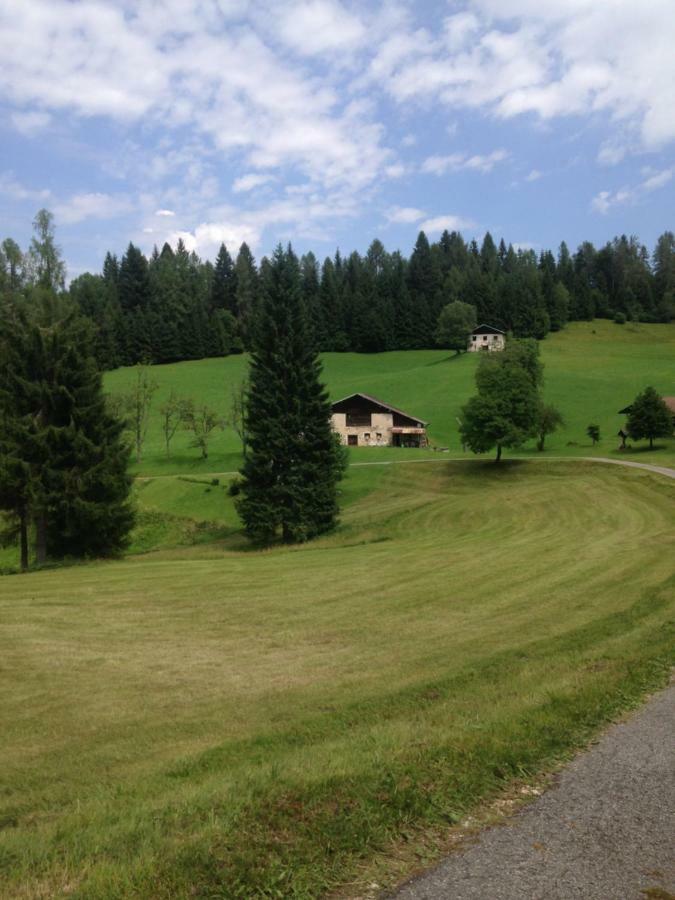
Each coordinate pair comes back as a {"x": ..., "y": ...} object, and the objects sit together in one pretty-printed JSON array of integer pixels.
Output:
[{"x": 330, "y": 123}]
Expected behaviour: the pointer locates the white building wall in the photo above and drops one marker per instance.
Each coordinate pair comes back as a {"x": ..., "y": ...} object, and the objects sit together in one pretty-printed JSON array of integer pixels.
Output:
[{"x": 485, "y": 342}]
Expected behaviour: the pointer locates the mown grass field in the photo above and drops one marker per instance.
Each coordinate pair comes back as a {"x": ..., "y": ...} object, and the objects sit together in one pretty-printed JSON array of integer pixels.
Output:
[
  {"x": 201, "y": 719},
  {"x": 592, "y": 369},
  {"x": 217, "y": 722}
]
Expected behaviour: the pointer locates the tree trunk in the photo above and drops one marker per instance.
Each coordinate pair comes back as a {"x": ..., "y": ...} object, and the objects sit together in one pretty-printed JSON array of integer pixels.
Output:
[
  {"x": 540, "y": 443},
  {"x": 23, "y": 534},
  {"x": 40, "y": 538},
  {"x": 651, "y": 443},
  {"x": 499, "y": 452}
]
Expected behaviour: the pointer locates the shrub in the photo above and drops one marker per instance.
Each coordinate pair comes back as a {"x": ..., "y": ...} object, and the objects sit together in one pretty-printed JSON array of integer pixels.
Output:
[
  {"x": 620, "y": 318},
  {"x": 234, "y": 488}
]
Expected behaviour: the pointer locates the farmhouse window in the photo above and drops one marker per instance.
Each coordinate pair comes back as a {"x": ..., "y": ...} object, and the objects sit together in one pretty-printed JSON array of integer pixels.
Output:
[
  {"x": 378, "y": 436},
  {"x": 474, "y": 338},
  {"x": 358, "y": 418},
  {"x": 352, "y": 440},
  {"x": 485, "y": 337},
  {"x": 366, "y": 436}
]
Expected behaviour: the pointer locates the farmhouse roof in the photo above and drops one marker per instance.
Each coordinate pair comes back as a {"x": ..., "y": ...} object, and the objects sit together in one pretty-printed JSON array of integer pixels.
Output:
[
  {"x": 380, "y": 403},
  {"x": 487, "y": 329},
  {"x": 669, "y": 401}
]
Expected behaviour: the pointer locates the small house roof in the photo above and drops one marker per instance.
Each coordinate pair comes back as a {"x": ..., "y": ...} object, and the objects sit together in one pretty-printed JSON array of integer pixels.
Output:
[
  {"x": 381, "y": 404},
  {"x": 487, "y": 329},
  {"x": 669, "y": 401}
]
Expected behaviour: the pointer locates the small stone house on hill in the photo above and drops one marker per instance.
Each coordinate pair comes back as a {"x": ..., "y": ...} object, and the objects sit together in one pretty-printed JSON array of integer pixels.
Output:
[
  {"x": 365, "y": 421},
  {"x": 486, "y": 337}
]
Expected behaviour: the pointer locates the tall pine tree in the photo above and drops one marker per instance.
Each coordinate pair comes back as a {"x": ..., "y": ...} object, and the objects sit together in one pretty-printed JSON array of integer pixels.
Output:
[{"x": 293, "y": 461}]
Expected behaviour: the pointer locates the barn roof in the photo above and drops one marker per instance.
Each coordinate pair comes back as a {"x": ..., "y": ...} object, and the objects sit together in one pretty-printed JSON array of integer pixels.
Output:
[
  {"x": 381, "y": 404},
  {"x": 669, "y": 401},
  {"x": 487, "y": 329}
]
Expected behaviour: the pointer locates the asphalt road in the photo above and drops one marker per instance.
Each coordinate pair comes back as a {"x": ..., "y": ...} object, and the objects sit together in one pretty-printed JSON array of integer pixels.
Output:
[{"x": 606, "y": 831}]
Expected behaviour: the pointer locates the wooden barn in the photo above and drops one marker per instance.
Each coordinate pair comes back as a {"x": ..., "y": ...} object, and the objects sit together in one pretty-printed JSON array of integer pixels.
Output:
[{"x": 365, "y": 421}]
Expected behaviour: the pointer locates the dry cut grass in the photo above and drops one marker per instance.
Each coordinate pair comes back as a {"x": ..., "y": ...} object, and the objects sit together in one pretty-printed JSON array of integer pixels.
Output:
[{"x": 218, "y": 722}]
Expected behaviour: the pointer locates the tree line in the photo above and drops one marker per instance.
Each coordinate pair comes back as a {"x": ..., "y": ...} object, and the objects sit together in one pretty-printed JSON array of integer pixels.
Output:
[{"x": 174, "y": 306}]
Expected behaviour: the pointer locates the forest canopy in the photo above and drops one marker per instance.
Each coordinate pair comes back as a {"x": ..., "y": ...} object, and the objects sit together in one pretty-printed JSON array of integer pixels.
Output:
[{"x": 175, "y": 306}]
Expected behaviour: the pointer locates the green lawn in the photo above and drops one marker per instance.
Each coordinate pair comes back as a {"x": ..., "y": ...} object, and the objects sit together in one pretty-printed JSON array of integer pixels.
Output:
[
  {"x": 215, "y": 722},
  {"x": 592, "y": 369}
]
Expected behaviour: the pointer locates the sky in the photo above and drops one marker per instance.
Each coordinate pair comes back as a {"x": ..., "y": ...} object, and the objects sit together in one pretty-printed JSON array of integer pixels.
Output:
[{"x": 331, "y": 123}]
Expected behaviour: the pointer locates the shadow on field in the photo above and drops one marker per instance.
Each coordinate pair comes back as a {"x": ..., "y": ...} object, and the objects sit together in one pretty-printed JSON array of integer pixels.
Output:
[
  {"x": 488, "y": 468},
  {"x": 445, "y": 359}
]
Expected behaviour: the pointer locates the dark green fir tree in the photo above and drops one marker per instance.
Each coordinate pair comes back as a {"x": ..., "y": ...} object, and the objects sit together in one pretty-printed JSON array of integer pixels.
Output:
[
  {"x": 293, "y": 461},
  {"x": 62, "y": 440}
]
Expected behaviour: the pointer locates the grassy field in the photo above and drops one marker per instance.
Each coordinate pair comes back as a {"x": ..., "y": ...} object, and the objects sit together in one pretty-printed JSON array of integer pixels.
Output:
[
  {"x": 200, "y": 719},
  {"x": 215, "y": 722},
  {"x": 592, "y": 369}
]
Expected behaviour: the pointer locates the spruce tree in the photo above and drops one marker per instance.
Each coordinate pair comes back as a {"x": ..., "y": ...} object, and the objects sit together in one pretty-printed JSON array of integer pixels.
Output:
[
  {"x": 58, "y": 436},
  {"x": 246, "y": 280},
  {"x": 16, "y": 477},
  {"x": 293, "y": 461},
  {"x": 224, "y": 285}
]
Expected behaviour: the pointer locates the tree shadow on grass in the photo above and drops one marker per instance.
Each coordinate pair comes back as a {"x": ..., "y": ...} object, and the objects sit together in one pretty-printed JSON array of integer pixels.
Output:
[
  {"x": 487, "y": 467},
  {"x": 445, "y": 359},
  {"x": 643, "y": 448}
]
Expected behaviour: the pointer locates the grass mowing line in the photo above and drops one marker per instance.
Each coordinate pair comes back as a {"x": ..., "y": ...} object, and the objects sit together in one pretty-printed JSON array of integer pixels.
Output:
[{"x": 260, "y": 725}]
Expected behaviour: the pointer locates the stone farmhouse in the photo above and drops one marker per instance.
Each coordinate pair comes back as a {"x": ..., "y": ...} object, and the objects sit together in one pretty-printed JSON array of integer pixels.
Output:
[
  {"x": 365, "y": 421},
  {"x": 486, "y": 337}
]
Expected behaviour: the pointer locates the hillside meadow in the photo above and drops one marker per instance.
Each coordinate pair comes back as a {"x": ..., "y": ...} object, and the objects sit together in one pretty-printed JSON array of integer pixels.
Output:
[
  {"x": 201, "y": 719},
  {"x": 592, "y": 369},
  {"x": 218, "y": 722}
]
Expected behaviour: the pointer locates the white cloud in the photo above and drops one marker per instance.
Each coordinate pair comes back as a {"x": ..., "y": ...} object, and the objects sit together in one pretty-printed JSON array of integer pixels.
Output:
[
  {"x": 10, "y": 187},
  {"x": 442, "y": 223},
  {"x": 553, "y": 59},
  {"x": 657, "y": 180},
  {"x": 611, "y": 153},
  {"x": 188, "y": 67},
  {"x": 404, "y": 214},
  {"x": 249, "y": 182},
  {"x": 605, "y": 200},
  {"x": 31, "y": 123},
  {"x": 533, "y": 175},
  {"x": 409, "y": 140},
  {"x": 91, "y": 206},
  {"x": 456, "y": 162},
  {"x": 164, "y": 213},
  {"x": 312, "y": 27},
  {"x": 207, "y": 237}
]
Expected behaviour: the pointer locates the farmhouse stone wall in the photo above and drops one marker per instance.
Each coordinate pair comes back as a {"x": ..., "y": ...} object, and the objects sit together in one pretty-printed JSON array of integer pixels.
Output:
[{"x": 367, "y": 435}]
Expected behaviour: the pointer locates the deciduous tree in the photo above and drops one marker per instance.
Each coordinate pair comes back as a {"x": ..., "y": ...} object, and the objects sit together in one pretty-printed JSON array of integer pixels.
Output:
[
  {"x": 649, "y": 417},
  {"x": 455, "y": 323}
]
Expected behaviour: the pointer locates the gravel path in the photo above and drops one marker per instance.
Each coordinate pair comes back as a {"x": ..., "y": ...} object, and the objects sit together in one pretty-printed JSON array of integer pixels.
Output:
[{"x": 606, "y": 831}]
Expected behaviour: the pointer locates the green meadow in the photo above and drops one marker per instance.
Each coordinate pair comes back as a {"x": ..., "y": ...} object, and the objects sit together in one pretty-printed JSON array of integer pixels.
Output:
[
  {"x": 201, "y": 719},
  {"x": 592, "y": 369}
]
